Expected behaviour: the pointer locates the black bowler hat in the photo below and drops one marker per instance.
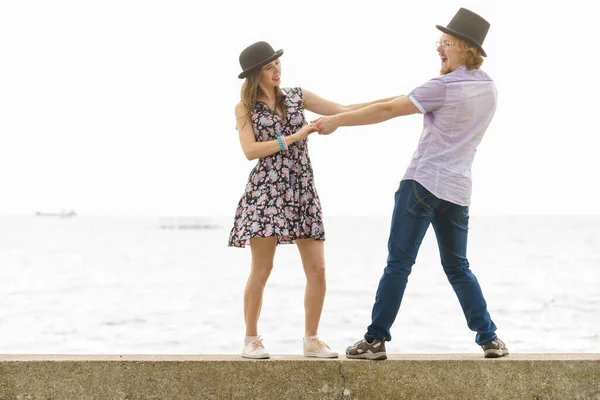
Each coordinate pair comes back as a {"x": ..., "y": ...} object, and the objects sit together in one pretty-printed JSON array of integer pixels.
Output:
[
  {"x": 468, "y": 26},
  {"x": 255, "y": 56}
]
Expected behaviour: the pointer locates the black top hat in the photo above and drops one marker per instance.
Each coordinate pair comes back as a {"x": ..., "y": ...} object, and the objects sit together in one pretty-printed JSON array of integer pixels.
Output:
[
  {"x": 255, "y": 56},
  {"x": 468, "y": 26}
]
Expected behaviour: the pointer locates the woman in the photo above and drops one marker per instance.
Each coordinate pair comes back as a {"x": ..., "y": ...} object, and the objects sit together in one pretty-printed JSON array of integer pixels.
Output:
[{"x": 280, "y": 204}]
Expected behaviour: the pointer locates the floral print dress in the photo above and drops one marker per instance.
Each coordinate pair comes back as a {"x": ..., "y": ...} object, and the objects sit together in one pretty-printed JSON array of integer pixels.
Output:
[{"x": 280, "y": 197}]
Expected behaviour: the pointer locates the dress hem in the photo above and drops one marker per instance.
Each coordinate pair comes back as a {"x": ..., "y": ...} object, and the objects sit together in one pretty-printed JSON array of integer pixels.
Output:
[{"x": 287, "y": 240}]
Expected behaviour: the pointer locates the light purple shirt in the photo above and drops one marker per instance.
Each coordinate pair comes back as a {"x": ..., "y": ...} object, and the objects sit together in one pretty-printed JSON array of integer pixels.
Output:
[{"x": 458, "y": 108}]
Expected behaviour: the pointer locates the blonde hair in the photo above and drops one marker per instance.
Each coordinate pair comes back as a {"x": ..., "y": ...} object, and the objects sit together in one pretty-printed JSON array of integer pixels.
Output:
[
  {"x": 251, "y": 91},
  {"x": 472, "y": 58}
]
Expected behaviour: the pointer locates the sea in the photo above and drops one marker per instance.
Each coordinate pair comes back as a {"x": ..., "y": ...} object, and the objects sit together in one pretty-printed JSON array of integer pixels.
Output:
[{"x": 138, "y": 285}]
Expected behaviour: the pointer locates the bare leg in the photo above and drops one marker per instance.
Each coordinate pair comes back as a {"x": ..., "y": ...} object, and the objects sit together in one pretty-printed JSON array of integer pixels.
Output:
[
  {"x": 263, "y": 252},
  {"x": 312, "y": 253}
]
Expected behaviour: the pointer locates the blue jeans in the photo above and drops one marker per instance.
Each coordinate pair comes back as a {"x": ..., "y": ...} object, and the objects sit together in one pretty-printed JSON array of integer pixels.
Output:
[{"x": 415, "y": 209}]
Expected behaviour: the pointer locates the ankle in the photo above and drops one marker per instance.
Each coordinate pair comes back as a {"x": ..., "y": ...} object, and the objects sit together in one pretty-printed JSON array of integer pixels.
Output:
[{"x": 250, "y": 338}]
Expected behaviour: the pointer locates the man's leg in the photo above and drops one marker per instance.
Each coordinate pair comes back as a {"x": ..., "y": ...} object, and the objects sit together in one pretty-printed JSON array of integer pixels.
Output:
[
  {"x": 451, "y": 230},
  {"x": 412, "y": 213}
]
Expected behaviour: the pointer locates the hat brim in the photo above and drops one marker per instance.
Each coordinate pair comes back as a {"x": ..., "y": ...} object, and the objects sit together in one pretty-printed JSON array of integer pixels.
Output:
[
  {"x": 463, "y": 37},
  {"x": 247, "y": 71}
]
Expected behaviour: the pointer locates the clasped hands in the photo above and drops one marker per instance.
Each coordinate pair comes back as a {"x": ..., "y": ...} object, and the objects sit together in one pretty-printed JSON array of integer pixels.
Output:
[{"x": 323, "y": 125}]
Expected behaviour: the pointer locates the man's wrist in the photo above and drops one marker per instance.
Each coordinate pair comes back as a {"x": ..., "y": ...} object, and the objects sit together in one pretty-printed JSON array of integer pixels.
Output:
[{"x": 338, "y": 119}]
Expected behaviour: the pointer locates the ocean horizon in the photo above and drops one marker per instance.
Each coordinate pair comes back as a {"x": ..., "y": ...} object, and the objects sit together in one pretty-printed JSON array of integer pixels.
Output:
[{"x": 133, "y": 285}]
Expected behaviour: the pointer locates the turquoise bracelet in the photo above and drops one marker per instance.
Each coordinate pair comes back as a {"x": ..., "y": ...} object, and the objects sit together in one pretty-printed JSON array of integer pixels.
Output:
[{"x": 281, "y": 146}]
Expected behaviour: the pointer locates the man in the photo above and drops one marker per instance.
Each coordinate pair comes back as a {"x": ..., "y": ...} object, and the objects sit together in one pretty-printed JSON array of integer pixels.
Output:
[{"x": 458, "y": 106}]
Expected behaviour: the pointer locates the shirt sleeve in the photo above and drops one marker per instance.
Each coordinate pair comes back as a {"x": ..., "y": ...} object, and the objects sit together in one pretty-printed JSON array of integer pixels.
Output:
[{"x": 430, "y": 96}]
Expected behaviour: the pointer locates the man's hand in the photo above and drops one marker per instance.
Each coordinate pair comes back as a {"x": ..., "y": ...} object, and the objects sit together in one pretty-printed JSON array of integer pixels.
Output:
[{"x": 326, "y": 125}]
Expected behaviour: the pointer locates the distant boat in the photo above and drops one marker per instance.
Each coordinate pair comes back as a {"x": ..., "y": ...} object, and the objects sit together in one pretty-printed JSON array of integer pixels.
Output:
[
  {"x": 185, "y": 223},
  {"x": 62, "y": 214}
]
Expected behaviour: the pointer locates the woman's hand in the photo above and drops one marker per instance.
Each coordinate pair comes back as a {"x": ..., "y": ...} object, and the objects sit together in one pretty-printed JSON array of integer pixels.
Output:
[{"x": 303, "y": 132}]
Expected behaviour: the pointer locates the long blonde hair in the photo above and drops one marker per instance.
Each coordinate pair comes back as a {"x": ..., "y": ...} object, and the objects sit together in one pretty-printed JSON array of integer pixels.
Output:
[
  {"x": 251, "y": 91},
  {"x": 473, "y": 59}
]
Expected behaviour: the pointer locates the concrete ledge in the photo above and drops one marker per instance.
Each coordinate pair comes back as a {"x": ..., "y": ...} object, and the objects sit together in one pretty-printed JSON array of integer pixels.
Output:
[{"x": 449, "y": 376}]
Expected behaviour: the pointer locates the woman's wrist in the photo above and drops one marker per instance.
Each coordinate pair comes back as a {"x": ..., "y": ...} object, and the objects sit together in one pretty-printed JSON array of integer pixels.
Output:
[{"x": 293, "y": 138}]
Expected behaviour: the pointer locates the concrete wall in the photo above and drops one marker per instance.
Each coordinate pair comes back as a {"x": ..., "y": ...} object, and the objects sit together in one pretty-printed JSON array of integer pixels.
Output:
[{"x": 450, "y": 376}]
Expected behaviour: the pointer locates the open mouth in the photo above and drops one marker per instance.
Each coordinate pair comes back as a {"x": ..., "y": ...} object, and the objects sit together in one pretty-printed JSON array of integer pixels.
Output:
[{"x": 444, "y": 61}]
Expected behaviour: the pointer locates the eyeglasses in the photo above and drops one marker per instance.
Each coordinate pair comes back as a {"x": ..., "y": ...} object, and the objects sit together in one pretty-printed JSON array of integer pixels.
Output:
[{"x": 445, "y": 44}]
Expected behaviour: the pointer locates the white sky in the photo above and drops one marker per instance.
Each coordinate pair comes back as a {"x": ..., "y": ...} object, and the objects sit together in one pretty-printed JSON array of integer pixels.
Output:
[{"x": 126, "y": 107}]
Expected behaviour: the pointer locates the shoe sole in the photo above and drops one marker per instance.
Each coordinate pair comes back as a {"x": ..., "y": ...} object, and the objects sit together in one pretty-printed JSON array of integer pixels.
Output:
[
  {"x": 260, "y": 357},
  {"x": 368, "y": 356},
  {"x": 319, "y": 355},
  {"x": 493, "y": 353}
]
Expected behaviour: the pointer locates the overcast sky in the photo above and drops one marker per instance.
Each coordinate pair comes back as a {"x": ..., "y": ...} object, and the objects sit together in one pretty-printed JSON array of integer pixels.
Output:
[{"x": 127, "y": 107}]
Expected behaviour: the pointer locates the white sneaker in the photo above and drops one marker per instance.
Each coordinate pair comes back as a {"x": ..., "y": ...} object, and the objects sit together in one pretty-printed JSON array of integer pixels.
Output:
[
  {"x": 255, "y": 349},
  {"x": 318, "y": 348}
]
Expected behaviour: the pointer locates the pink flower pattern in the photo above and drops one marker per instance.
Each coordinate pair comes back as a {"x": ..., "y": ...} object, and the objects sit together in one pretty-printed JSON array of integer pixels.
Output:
[{"x": 280, "y": 197}]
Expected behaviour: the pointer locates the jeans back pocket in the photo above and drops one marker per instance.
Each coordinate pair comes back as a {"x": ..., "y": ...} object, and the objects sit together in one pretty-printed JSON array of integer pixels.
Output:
[{"x": 420, "y": 200}]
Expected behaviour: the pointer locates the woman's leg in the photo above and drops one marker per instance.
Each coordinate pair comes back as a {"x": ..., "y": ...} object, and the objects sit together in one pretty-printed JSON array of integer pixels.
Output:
[
  {"x": 312, "y": 253},
  {"x": 263, "y": 252}
]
